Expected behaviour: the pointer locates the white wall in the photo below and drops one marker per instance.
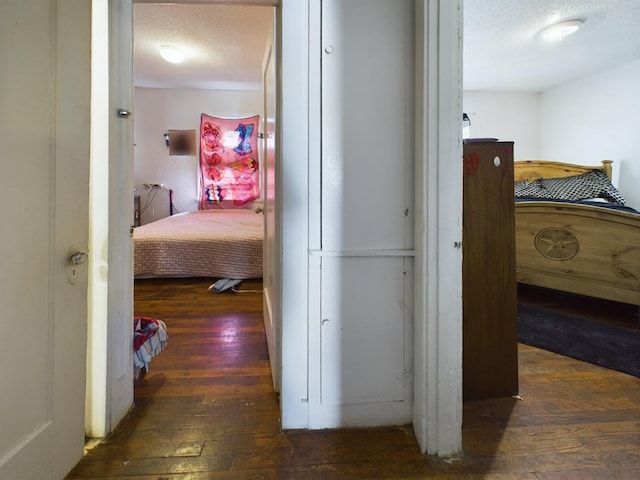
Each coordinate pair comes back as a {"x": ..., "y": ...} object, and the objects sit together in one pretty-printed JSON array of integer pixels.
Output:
[
  {"x": 594, "y": 119},
  {"x": 159, "y": 110},
  {"x": 507, "y": 116},
  {"x": 584, "y": 122}
]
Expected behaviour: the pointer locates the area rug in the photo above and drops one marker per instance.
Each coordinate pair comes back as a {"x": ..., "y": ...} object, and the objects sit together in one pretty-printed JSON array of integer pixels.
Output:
[{"x": 608, "y": 346}]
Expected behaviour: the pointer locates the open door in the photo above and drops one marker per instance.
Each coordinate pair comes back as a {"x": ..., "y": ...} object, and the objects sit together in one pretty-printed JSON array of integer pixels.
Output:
[
  {"x": 120, "y": 235},
  {"x": 45, "y": 104},
  {"x": 110, "y": 352},
  {"x": 272, "y": 260}
]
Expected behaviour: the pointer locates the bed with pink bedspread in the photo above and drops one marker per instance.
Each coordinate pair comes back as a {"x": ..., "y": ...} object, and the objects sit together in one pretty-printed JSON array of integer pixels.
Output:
[{"x": 217, "y": 243}]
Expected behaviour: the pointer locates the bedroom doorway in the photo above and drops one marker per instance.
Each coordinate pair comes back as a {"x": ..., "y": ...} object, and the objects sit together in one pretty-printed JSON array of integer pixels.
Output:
[
  {"x": 109, "y": 393},
  {"x": 172, "y": 97}
]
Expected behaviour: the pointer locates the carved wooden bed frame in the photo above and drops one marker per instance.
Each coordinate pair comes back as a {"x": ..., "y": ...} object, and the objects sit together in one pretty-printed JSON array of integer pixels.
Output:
[{"x": 582, "y": 249}]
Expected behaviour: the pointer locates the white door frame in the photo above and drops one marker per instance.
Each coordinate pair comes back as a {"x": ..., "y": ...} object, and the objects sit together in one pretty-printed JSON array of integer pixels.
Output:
[{"x": 437, "y": 414}]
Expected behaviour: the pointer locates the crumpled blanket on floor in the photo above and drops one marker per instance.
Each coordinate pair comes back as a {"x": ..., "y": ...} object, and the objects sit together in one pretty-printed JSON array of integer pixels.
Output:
[{"x": 149, "y": 339}]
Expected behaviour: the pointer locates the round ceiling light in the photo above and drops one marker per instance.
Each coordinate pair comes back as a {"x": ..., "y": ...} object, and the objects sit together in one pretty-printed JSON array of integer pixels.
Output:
[
  {"x": 171, "y": 53},
  {"x": 557, "y": 32}
]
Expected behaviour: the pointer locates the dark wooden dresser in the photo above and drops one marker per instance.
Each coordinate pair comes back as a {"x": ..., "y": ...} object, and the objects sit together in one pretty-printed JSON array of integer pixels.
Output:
[{"x": 489, "y": 295}]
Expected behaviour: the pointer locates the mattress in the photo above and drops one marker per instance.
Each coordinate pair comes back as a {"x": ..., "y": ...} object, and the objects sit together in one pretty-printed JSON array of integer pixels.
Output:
[{"x": 224, "y": 243}]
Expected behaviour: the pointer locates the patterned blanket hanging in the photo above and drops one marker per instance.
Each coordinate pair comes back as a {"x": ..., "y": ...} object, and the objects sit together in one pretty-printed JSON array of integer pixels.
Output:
[{"x": 229, "y": 166}]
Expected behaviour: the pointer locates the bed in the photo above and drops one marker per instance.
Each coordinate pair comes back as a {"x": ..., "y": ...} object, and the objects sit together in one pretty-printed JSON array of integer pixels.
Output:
[
  {"x": 217, "y": 243},
  {"x": 589, "y": 248}
]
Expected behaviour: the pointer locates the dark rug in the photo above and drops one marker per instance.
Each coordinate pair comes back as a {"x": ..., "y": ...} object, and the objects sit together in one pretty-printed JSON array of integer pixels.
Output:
[{"x": 608, "y": 346}]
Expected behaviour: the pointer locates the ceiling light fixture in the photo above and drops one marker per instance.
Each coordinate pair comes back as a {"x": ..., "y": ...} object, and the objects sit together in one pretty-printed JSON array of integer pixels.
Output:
[
  {"x": 557, "y": 32},
  {"x": 171, "y": 53}
]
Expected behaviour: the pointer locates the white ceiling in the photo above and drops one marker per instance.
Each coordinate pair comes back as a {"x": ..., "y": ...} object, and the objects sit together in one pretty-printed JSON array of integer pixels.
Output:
[
  {"x": 225, "y": 44},
  {"x": 502, "y": 50}
]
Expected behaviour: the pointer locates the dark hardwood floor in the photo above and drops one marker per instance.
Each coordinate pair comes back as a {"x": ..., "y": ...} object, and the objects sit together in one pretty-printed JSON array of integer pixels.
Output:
[{"x": 207, "y": 410}]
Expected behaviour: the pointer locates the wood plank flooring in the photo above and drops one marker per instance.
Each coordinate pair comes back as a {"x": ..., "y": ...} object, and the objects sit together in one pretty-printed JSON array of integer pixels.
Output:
[{"x": 207, "y": 410}]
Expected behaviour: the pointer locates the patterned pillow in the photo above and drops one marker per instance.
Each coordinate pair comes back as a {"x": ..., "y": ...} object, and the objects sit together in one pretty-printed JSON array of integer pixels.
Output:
[{"x": 593, "y": 184}]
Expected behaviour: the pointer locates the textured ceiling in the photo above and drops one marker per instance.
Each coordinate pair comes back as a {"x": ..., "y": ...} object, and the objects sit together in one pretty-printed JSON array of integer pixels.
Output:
[
  {"x": 502, "y": 50},
  {"x": 225, "y": 43}
]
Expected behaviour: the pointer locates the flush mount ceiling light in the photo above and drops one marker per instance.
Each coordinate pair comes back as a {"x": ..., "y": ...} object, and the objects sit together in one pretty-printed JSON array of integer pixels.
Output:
[
  {"x": 171, "y": 53},
  {"x": 557, "y": 32}
]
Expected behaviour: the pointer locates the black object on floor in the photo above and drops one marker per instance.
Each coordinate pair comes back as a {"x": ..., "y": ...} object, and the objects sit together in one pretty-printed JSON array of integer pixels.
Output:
[{"x": 605, "y": 345}]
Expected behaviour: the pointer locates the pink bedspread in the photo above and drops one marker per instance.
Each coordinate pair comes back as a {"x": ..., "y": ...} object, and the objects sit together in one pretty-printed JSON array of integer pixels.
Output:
[{"x": 205, "y": 243}]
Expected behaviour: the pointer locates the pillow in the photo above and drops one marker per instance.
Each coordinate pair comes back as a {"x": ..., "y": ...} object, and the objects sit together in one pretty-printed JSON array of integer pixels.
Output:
[{"x": 593, "y": 184}]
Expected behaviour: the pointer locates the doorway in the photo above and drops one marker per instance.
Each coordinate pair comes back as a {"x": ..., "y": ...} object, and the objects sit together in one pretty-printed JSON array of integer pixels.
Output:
[
  {"x": 109, "y": 391},
  {"x": 228, "y": 72}
]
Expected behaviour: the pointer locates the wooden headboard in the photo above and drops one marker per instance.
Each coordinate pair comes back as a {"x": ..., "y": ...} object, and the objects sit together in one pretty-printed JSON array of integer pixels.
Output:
[{"x": 535, "y": 169}]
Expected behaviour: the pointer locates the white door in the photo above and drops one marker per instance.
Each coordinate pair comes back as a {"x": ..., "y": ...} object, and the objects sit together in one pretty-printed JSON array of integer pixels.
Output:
[
  {"x": 110, "y": 356},
  {"x": 119, "y": 360},
  {"x": 270, "y": 189},
  {"x": 44, "y": 112}
]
